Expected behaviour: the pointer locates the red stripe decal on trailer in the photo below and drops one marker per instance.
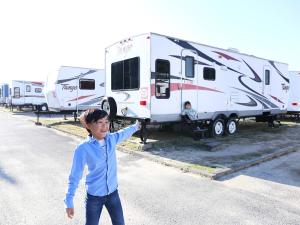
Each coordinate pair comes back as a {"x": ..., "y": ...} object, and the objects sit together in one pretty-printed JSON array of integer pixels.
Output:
[
  {"x": 228, "y": 57},
  {"x": 277, "y": 99},
  {"x": 176, "y": 87},
  {"x": 80, "y": 97},
  {"x": 197, "y": 87}
]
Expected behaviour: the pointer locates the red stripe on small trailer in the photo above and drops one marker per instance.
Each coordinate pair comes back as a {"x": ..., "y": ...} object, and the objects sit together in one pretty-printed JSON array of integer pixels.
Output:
[{"x": 294, "y": 103}]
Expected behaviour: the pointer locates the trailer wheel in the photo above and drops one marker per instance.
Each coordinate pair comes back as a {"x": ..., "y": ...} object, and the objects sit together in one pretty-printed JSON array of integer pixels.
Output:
[
  {"x": 231, "y": 126},
  {"x": 109, "y": 105},
  {"x": 217, "y": 127},
  {"x": 44, "y": 107}
]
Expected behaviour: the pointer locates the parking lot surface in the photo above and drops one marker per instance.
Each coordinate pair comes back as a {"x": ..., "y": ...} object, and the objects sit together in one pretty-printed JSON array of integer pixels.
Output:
[{"x": 35, "y": 163}]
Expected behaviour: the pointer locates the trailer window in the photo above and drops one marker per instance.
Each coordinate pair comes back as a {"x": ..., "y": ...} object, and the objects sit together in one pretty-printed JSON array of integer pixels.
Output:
[
  {"x": 162, "y": 78},
  {"x": 38, "y": 90},
  {"x": 28, "y": 88},
  {"x": 17, "y": 92},
  {"x": 267, "y": 77},
  {"x": 125, "y": 74},
  {"x": 87, "y": 84},
  {"x": 189, "y": 66},
  {"x": 209, "y": 73}
]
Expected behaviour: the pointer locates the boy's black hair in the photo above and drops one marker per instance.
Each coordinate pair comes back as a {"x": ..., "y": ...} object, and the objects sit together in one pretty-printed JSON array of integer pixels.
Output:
[
  {"x": 186, "y": 103},
  {"x": 90, "y": 116}
]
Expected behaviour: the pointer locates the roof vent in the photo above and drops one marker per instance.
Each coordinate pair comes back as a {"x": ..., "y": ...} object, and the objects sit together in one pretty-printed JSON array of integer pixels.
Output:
[{"x": 233, "y": 50}]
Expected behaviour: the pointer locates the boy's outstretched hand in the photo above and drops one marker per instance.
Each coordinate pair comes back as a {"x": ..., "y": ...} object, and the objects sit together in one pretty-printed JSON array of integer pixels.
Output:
[{"x": 70, "y": 212}]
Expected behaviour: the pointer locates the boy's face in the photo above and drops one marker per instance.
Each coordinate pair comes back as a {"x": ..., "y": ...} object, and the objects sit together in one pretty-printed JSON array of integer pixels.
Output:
[
  {"x": 188, "y": 106},
  {"x": 99, "y": 128}
]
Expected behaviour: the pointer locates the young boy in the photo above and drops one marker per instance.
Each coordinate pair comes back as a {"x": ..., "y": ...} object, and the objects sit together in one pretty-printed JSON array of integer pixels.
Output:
[
  {"x": 98, "y": 152},
  {"x": 191, "y": 113}
]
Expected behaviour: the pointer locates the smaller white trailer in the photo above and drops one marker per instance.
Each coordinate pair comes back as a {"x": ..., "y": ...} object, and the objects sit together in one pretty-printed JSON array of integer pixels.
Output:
[
  {"x": 4, "y": 93},
  {"x": 28, "y": 94},
  {"x": 294, "y": 97},
  {"x": 73, "y": 89}
]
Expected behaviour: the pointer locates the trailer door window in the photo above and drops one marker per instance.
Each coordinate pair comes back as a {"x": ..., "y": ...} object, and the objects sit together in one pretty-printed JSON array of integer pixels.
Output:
[
  {"x": 267, "y": 77},
  {"x": 125, "y": 74},
  {"x": 87, "y": 84},
  {"x": 17, "y": 92},
  {"x": 189, "y": 66},
  {"x": 28, "y": 88},
  {"x": 209, "y": 73},
  {"x": 162, "y": 78}
]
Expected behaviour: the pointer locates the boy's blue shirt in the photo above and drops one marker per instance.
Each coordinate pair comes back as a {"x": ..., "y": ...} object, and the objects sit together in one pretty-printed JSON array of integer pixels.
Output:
[{"x": 101, "y": 161}]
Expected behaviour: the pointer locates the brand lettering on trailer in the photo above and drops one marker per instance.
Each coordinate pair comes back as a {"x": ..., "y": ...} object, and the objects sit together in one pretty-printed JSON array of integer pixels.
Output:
[
  {"x": 124, "y": 49},
  {"x": 68, "y": 87}
]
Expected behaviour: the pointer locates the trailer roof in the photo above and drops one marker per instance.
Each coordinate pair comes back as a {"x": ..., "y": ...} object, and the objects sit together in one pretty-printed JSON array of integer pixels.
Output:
[
  {"x": 78, "y": 67},
  {"x": 153, "y": 33}
]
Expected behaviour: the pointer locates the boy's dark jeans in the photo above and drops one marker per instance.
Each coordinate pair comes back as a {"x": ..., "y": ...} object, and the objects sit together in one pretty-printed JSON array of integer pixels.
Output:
[{"x": 94, "y": 205}]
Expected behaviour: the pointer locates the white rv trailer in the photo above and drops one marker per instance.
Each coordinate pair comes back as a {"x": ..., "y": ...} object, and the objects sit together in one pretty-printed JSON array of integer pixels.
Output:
[
  {"x": 4, "y": 93},
  {"x": 150, "y": 76},
  {"x": 28, "y": 93},
  {"x": 294, "y": 97},
  {"x": 72, "y": 89}
]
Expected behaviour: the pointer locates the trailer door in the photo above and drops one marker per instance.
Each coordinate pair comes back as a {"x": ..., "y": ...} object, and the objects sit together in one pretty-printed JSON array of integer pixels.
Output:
[{"x": 189, "y": 76}]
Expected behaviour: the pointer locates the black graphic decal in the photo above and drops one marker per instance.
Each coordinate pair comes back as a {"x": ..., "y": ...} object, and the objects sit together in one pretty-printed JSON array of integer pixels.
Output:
[
  {"x": 260, "y": 98},
  {"x": 76, "y": 77},
  {"x": 256, "y": 77},
  {"x": 273, "y": 64},
  {"x": 240, "y": 79},
  {"x": 263, "y": 104},
  {"x": 186, "y": 45},
  {"x": 252, "y": 102}
]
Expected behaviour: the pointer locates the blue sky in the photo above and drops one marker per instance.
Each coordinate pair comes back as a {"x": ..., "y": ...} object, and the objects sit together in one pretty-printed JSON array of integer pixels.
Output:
[{"x": 40, "y": 35}]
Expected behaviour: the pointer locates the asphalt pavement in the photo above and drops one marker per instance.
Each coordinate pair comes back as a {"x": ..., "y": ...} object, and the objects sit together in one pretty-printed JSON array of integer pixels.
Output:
[{"x": 34, "y": 168}]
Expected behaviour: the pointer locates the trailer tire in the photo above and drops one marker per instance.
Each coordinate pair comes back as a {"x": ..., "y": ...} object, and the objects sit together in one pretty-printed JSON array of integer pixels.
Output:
[
  {"x": 109, "y": 105},
  {"x": 217, "y": 127},
  {"x": 44, "y": 107},
  {"x": 231, "y": 126}
]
